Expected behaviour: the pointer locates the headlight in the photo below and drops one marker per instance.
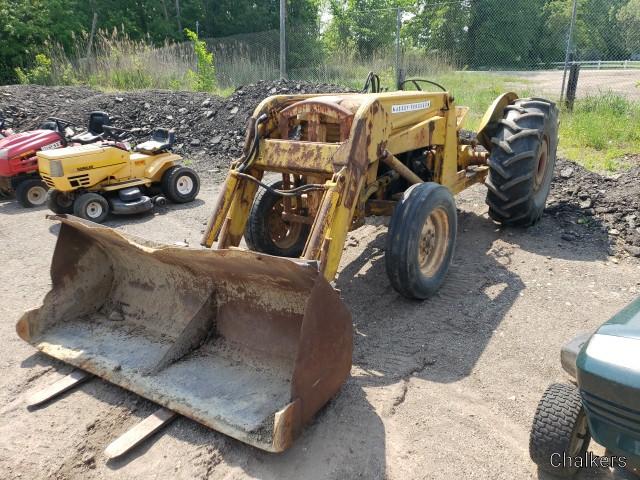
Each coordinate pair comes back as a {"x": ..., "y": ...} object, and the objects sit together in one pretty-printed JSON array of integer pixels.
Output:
[
  {"x": 55, "y": 168},
  {"x": 4, "y": 154}
]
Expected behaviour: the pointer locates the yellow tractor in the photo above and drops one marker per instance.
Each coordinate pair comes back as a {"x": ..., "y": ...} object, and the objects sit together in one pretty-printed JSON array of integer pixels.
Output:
[
  {"x": 254, "y": 342},
  {"x": 94, "y": 180}
]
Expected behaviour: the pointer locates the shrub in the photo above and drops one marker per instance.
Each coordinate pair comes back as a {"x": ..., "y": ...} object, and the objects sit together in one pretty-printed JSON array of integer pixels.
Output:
[
  {"x": 204, "y": 78},
  {"x": 39, "y": 74}
]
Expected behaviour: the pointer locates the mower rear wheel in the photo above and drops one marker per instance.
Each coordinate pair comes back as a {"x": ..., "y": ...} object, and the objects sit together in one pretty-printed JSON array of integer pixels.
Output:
[
  {"x": 559, "y": 429},
  {"x": 268, "y": 232},
  {"x": 31, "y": 193},
  {"x": 91, "y": 206},
  {"x": 521, "y": 162},
  {"x": 180, "y": 184},
  {"x": 421, "y": 240},
  {"x": 59, "y": 202}
]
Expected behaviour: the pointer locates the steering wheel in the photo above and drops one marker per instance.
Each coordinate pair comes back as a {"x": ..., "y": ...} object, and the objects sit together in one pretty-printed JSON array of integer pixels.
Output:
[
  {"x": 416, "y": 82},
  {"x": 118, "y": 134},
  {"x": 61, "y": 123}
]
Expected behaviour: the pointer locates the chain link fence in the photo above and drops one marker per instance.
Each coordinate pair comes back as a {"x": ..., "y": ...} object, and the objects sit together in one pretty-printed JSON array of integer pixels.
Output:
[{"x": 525, "y": 44}]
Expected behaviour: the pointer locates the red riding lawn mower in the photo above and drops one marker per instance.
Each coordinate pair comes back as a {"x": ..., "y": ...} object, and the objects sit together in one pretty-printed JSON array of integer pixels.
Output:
[{"x": 19, "y": 164}]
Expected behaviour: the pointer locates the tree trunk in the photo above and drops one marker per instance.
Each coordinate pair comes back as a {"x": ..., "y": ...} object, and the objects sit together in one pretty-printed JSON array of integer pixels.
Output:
[
  {"x": 178, "y": 15},
  {"x": 164, "y": 10},
  {"x": 94, "y": 23}
]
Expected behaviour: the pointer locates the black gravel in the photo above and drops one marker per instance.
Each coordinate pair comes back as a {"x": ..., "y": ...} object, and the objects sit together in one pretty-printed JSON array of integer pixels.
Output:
[
  {"x": 210, "y": 129},
  {"x": 586, "y": 200}
]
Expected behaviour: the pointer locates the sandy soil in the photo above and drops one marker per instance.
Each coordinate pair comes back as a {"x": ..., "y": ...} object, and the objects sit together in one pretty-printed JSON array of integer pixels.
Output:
[
  {"x": 441, "y": 389},
  {"x": 590, "y": 82}
]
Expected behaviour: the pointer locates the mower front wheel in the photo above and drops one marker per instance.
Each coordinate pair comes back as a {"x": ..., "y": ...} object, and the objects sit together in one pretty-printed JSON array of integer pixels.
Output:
[
  {"x": 31, "y": 193},
  {"x": 421, "y": 240},
  {"x": 59, "y": 202},
  {"x": 91, "y": 206},
  {"x": 559, "y": 430},
  {"x": 180, "y": 184}
]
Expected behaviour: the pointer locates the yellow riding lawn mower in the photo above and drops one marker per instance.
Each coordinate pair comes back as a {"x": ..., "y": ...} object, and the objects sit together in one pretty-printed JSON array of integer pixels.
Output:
[
  {"x": 254, "y": 342},
  {"x": 94, "y": 180}
]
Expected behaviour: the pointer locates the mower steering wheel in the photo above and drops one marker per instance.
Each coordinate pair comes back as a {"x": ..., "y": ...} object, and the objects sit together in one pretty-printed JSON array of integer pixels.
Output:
[
  {"x": 116, "y": 133},
  {"x": 61, "y": 123},
  {"x": 416, "y": 82}
]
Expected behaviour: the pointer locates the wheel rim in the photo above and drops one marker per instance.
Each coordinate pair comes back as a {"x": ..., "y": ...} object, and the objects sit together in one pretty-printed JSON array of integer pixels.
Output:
[
  {"x": 94, "y": 209},
  {"x": 37, "y": 195},
  {"x": 541, "y": 165},
  {"x": 579, "y": 436},
  {"x": 434, "y": 239},
  {"x": 184, "y": 185},
  {"x": 283, "y": 234}
]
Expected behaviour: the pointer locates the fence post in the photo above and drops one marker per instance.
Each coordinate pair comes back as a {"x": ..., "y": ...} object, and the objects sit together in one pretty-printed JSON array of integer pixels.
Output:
[
  {"x": 283, "y": 39},
  {"x": 399, "y": 74},
  {"x": 569, "y": 42},
  {"x": 572, "y": 86}
]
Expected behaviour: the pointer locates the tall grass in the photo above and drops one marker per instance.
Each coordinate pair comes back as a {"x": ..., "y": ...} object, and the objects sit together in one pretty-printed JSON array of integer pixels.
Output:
[{"x": 600, "y": 131}]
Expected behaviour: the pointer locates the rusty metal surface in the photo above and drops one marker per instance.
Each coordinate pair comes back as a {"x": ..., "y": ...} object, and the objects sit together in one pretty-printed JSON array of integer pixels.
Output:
[{"x": 228, "y": 338}]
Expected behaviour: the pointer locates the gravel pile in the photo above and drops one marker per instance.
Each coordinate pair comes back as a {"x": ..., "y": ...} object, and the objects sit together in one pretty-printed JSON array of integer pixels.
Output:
[
  {"x": 588, "y": 200},
  {"x": 210, "y": 130}
]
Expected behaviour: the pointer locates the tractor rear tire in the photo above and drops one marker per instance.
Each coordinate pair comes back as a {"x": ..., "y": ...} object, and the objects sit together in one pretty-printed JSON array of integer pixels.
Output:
[
  {"x": 180, "y": 184},
  {"x": 268, "y": 233},
  {"x": 559, "y": 429},
  {"x": 59, "y": 202},
  {"x": 521, "y": 163},
  {"x": 91, "y": 206},
  {"x": 421, "y": 240},
  {"x": 32, "y": 193}
]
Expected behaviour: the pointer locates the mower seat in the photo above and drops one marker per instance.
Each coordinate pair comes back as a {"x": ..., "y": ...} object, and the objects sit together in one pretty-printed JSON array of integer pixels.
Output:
[
  {"x": 161, "y": 140},
  {"x": 97, "y": 120}
]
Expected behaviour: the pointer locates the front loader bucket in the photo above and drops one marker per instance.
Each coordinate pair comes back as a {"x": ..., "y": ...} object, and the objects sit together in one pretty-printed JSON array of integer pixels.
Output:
[{"x": 247, "y": 344}]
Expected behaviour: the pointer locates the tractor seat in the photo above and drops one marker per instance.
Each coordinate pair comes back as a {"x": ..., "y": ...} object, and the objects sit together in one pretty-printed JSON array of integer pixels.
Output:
[
  {"x": 161, "y": 140},
  {"x": 97, "y": 120}
]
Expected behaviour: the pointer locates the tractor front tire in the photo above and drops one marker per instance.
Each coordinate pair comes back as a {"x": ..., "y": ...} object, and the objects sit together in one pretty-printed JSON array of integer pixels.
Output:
[
  {"x": 521, "y": 163},
  {"x": 59, "y": 202},
  {"x": 91, "y": 206},
  {"x": 559, "y": 429},
  {"x": 421, "y": 240},
  {"x": 31, "y": 193},
  {"x": 268, "y": 232},
  {"x": 180, "y": 184}
]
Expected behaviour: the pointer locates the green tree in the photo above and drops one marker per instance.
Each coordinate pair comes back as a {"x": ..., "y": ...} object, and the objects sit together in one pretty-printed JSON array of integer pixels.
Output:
[{"x": 629, "y": 20}]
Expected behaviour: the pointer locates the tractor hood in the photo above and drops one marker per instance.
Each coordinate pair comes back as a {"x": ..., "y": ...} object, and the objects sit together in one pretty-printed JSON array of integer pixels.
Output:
[
  {"x": 612, "y": 352},
  {"x": 608, "y": 374},
  {"x": 24, "y": 143},
  {"x": 626, "y": 323}
]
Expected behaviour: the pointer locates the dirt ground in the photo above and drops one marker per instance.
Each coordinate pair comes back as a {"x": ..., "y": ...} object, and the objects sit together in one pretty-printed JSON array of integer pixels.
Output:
[
  {"x": 441, "y": 389},
  {"x": 590, "y": 82}
]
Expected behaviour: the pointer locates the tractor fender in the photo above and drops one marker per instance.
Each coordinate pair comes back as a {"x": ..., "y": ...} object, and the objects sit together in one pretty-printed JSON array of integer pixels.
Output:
[
  {"x": 492, "y": 116},
  {"x": 158, "y": 166}
]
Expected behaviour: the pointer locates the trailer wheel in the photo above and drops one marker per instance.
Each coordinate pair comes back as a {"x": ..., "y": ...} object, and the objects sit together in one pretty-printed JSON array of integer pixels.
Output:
[
  {"x": 559, "y": 428},
  {"x": 268, "y": 232},
  {"x": 31, "y": 193},
  {"x": 521, "y": 162},
  {"x": 91, "y": 206},
  {"x": 421, "y": 240},
  {"x": 59, "y": 202},
  {"x": 180, "y": 184}
]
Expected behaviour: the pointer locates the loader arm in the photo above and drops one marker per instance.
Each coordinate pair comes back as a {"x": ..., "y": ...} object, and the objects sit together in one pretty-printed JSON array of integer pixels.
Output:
[{"x": 338, "y": 142}]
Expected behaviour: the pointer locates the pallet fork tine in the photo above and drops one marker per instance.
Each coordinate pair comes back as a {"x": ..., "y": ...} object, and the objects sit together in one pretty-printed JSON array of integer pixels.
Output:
[
  {"x": 58, "y": 388},
  {"x": 138, "y": 433}
]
